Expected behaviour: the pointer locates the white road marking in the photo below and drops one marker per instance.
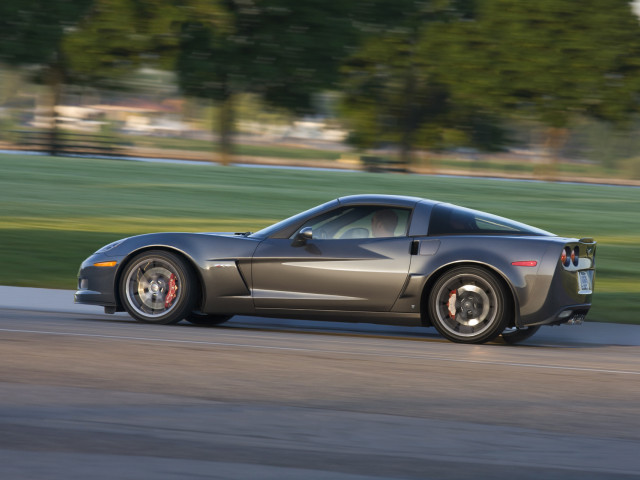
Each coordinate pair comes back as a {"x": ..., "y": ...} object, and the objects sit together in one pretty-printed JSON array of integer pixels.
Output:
[{"x": 328, "y": 351}]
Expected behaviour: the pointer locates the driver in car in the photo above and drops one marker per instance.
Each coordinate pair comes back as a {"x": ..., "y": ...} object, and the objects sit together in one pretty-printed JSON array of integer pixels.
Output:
[{"x": 384, "y": 223}]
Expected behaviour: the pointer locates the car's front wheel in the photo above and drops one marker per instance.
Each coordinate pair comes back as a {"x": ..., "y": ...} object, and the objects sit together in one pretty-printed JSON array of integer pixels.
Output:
[
  {"x": 158, "y": 287},
  {"x": 469, "y": 305}
]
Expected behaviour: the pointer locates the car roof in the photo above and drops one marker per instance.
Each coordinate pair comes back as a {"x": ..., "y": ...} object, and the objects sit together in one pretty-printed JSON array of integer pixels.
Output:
[{"x": 400, "y": 200}]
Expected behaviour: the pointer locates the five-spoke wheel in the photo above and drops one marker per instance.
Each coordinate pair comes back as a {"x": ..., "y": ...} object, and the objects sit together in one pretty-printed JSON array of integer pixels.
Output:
[
  {"x": 158, "y": 287},
  {"x": 469, "y": 305}
]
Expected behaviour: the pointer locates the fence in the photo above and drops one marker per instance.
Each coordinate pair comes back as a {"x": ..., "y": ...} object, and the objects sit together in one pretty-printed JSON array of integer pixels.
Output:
[{"x": 58, "y": 142}]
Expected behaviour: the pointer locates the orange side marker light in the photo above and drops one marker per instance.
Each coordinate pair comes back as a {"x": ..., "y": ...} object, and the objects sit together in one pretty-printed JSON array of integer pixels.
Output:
[{"x": 105, "y": 264}]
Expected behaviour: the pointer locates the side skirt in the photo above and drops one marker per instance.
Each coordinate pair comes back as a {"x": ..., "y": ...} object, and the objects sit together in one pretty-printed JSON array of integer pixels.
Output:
[{"x": 383, "y": 318}]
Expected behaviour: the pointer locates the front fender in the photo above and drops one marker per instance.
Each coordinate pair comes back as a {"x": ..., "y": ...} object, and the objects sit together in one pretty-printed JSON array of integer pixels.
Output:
[{"x": 222, "y": 263}]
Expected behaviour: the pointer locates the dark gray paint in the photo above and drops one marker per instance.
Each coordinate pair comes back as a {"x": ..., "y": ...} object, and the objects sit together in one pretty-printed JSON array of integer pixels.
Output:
[{"x": 367, "y": 279}]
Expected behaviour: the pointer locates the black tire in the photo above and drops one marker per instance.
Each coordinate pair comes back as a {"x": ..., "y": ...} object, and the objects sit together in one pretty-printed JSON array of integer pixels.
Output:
[
  {"x": 158, "y": 287},
  {"x": 517, "y": 335},
  {"x": 469, "y": 305},
  {"x": 198, "y": 318}
]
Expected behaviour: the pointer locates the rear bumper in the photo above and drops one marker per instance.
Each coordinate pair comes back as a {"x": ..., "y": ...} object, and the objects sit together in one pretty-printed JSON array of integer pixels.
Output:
[
  {"x": 570, "y": 315},
  {"x": 563, "y": 287},
  {"x": 565, "y": 301}
]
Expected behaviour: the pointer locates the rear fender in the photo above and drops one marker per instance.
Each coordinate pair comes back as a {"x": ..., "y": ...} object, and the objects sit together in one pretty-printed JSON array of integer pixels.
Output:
[{"x": 433, "y": 278}]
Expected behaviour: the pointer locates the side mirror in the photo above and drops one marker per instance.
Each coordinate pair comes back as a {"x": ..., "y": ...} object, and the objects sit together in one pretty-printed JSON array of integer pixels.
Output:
[{"x": 302, "y": 237}]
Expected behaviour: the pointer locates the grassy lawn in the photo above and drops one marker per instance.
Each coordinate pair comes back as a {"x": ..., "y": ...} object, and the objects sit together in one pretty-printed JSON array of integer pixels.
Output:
[{"x": 56, "y": 211}]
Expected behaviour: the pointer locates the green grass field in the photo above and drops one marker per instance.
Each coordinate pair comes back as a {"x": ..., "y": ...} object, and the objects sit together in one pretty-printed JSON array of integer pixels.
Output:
[{"x": 57, "y": 211}]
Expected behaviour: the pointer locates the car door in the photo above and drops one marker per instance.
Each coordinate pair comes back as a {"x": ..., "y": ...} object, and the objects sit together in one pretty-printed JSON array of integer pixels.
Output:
[{"x": 342, "y": 266}]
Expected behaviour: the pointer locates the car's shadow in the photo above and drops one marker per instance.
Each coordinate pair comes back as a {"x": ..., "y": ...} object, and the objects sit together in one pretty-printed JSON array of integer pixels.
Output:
[{"x": 344, "y": 329}]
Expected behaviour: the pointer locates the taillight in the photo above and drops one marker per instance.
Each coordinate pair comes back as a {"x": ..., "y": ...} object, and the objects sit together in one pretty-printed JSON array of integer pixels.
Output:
[
  {"x": 575, "y": 256},
  {"x": 564, "y": 257}
]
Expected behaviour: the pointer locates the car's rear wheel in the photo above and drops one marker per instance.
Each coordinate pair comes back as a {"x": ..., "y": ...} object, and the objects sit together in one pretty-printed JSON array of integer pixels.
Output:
[
  {"x": 517, "y": 335},
  {"x": 469, "y": 305},
  {"x": 198, "y": 318},
  {"x": 158, "y": 287}
]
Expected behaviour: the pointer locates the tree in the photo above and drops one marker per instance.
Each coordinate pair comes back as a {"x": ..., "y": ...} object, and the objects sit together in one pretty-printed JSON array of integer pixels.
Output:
[
  {"x": 394, "y": 88},
  {"x": 31, "y": 34},
  {"x": 282, "y": 50},
  {"x": 552, "y": 60},
  {"x": 117, "y": 37},
  {"x": 107, "y": 43}
]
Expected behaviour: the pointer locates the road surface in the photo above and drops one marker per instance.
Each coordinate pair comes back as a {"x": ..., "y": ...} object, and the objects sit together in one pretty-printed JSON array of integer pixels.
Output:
[{"x": 87, "y": 395}]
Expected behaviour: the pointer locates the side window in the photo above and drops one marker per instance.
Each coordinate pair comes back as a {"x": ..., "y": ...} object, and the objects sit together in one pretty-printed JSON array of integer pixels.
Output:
[
  {"x": 450, "y": 220},
  {"x": 365, "y": 221},
  {"x": 447, "y": 220}
]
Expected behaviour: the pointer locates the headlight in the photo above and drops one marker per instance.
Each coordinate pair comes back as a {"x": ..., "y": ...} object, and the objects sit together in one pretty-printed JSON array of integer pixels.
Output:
[{"x": 111, "y": 246}]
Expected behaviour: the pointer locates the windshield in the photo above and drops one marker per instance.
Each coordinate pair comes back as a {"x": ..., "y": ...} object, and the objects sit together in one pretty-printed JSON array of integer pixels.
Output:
[{"x": 300, "y": 217}]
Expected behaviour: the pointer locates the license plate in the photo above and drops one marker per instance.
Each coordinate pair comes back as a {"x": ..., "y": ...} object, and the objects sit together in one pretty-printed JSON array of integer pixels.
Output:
[{"x": 585, "y": 283}]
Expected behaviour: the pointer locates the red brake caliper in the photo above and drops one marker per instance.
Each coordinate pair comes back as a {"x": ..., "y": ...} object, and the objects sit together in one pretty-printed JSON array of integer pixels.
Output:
[
  {"x": 451, "y": 304},
  {"x": 171, "y": 291}
]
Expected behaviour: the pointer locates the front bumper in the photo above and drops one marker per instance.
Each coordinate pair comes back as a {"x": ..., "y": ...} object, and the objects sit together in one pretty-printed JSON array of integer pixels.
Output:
[{"x": 97, "y": 285}]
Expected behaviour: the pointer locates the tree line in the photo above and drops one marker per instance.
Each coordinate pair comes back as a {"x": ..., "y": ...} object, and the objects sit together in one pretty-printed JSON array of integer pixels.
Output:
[{"x": 411, "y": 73}]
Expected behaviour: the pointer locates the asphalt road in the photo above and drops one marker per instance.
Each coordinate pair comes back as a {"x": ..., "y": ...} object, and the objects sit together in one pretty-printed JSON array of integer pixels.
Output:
[{"x": 103, "y": 397}]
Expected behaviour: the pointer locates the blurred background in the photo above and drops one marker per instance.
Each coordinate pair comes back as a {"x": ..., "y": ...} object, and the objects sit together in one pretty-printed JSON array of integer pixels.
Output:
[
  {"x": 546, "y": 89},
  {"x": 525, "y": 109}
]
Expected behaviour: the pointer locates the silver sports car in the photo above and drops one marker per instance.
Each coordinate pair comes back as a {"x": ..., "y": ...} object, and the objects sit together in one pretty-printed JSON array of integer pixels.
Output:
[{"x": 363, "y": 258}]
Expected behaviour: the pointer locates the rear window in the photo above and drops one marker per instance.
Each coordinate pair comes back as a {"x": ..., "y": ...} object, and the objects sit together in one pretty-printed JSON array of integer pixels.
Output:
[{"x": 451, "y": 220}]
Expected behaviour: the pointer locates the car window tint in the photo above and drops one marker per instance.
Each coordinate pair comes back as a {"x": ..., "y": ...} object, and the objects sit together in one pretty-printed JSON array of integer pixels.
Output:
[
  {"x": 365, "y": 221},
  {"x": 450, "y": 220}
]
